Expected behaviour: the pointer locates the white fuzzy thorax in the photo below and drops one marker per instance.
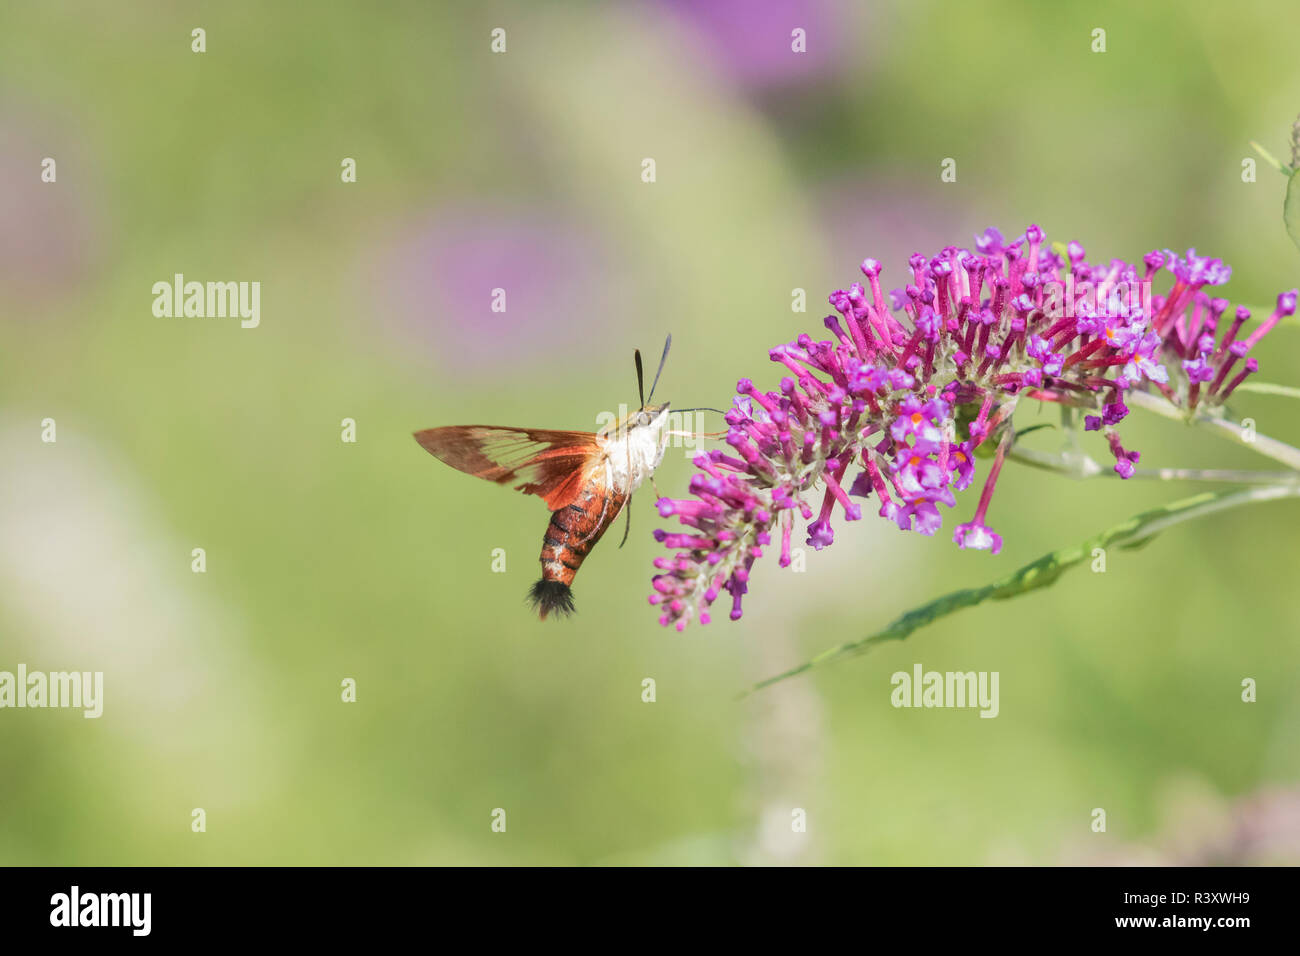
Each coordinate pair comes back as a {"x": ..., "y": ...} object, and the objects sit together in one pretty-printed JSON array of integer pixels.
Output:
[{"x": 635, "y": 452}]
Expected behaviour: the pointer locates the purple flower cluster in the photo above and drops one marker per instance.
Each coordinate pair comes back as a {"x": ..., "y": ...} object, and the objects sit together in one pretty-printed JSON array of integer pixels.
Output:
[{"x": 906, "y": 401}]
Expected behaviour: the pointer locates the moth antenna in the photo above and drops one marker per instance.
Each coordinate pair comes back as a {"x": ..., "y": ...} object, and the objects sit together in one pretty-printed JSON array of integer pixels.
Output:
[
  {"x": 664, "y": 358},
  {"x": 640, "y": 379}
]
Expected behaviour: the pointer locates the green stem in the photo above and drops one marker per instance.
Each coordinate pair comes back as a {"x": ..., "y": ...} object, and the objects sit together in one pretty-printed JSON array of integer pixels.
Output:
[
  {"x": 1082, "y": 467},
  {"x": 1236, "y": 476},
  {"x": 1046, "y": 570},
  {"x": 1268, "y": 388},
  {"x": 1269, "y": 447},
  {"x": 1271, "y": 159},
  {"x": 1258, "y": 313},
  {"x": 1071, "y": 463}
]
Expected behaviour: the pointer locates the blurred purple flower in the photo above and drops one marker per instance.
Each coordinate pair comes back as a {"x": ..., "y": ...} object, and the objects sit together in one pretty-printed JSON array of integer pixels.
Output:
[
  {"x": 48, "y": 230},
  {"x": 434, "y": 283},
  {"x": 751, "y": 41}
]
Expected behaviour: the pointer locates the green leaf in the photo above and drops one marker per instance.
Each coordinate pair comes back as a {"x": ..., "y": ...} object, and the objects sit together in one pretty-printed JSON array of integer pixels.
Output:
[
  {"x": 1033, "y": 428},
  {"x": 1133, "y": 533},
  {"x": 1291, "y": 209}
]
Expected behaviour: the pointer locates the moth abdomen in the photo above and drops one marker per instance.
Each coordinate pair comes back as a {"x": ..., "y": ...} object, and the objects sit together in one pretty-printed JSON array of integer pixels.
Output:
[{"x": 570, "y": 535}]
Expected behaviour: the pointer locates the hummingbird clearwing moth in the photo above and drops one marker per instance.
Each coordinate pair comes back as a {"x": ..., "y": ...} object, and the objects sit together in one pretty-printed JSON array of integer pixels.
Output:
[{"x": 585, "y": 478}]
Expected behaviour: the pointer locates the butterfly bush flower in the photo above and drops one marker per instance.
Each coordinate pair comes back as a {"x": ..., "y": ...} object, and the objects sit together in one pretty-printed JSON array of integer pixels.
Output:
[{"x": 889, "y": 408}]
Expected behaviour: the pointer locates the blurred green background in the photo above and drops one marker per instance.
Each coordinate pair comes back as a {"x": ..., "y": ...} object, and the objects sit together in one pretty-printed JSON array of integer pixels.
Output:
[{"x": 522, "y": 170}]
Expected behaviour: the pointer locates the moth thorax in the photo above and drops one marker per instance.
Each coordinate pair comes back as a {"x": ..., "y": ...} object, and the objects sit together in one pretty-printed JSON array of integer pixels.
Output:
[{"x": 634, "y": 453}]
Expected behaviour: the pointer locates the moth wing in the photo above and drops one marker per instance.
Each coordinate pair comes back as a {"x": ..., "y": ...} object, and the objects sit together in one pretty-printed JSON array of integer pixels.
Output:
[{"x": 554, "y": 465}]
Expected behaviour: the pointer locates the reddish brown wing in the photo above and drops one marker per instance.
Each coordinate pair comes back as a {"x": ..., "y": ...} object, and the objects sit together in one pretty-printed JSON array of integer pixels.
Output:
[{"x": 550, "y": 464}]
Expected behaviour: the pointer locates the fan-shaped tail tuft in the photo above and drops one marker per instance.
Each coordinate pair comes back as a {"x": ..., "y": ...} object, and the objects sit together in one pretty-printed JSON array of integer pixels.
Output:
[{"x": 551, "y": 596}]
